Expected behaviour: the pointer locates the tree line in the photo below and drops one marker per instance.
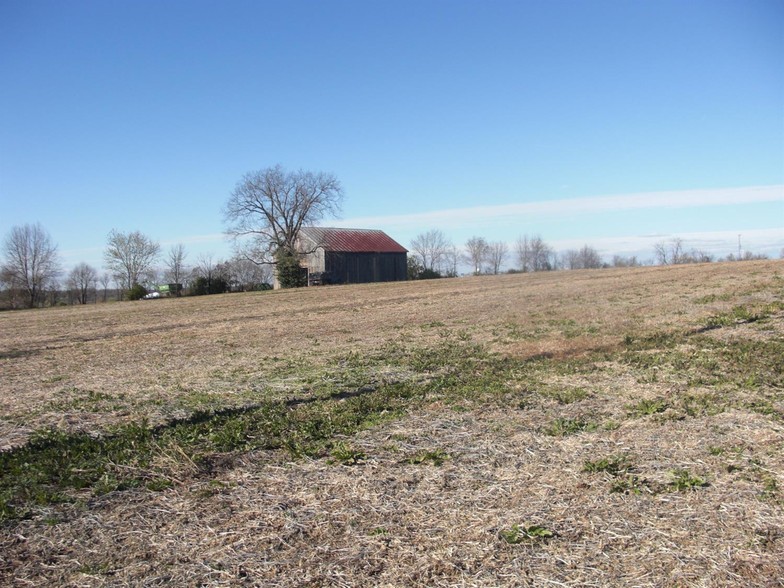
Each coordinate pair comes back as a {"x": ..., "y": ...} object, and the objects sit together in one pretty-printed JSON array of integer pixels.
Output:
[
  {"x": 433, "y": 255},
  {"x": 264, "y": 215},
  {"x": 32, "y": 273}
]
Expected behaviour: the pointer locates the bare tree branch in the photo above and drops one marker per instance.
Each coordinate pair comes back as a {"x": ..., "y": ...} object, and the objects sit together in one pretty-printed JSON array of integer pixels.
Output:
[
  {"x": 496, "y": 254},
  {"x": 477, "y": 250},
  {"x": 430, "y": 249},
  {"x": 585, "y": 258},
  {"x": 175, "y": 264},
  {"x": 271, "y": 206},
  {"x": 31, "y": 261},
  {"x": 534, "y": 255},
  {"x": 130, "y": 256},
  {"x": 81, "y": 279}
]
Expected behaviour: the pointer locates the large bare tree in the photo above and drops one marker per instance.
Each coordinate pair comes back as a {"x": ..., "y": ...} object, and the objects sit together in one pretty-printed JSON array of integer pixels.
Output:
[
  {"x": 476, "y": 253},
  {"x": 130, "y": 257},
  {"x": 542, "y": 255},
  {"x": 430, "y": 249},
  {"x": 496, "y": 255},
  {"x": 534, "y": 255},
  {"x": 669, "y": 253},
  {"x": 81, "y": 279},
  {"x": 271, "y": 205},
  {"x": 175, "y": 264},
  {"x": 105, "y": 280},
  {"x": 585, "y": 258},
  {"x": 453, "y": 257},
  {"x": 31, "y": 261},
  {"x": 625, "y": 261},
  {"x": 246, "y": 275},
  {"x": 523, "y": 249},
  {"x": 207, "y": 269}
]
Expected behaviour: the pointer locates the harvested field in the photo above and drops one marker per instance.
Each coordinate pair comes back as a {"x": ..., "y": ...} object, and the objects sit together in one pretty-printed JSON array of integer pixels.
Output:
[{"x": 592, "y": 428}]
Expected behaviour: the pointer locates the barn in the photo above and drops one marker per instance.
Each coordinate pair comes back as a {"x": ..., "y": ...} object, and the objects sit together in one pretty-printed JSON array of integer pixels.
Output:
[{"x": 351, "y": 256}]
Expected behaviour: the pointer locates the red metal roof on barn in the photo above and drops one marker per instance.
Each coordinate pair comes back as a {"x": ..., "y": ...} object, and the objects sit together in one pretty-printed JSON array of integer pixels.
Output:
[{"x": 352, "y": 240}]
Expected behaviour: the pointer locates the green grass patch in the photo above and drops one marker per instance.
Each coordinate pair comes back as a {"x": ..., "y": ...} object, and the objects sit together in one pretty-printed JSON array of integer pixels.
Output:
[
  {"x": 75, "y": 399},
  {"x": 708, "y": 298},
  {"x": 564, "y": 395},
  {"x": 346, "y": 455},
  {"x": 683, "y": 480},
  {"x": 613, "y": 465},
  {"x": 659, "y": 340},
  {"x": 743, "y": 314},
  {"x": 702, "y": 361},
  {"x": 646, "y": 407},
  {"x": 770, "y": 488},
  {"x": 531, "y": 534},
  {"x": 628, "y": 484},
  {"x": 705, "y": 404},
  {"x": 57, "y": 466},
  {"x": 434, "y": 457},
  {"x": 54, "y": 464},
  {"x": 620, "y": 469},
  {"x": 561, "y": 427}
]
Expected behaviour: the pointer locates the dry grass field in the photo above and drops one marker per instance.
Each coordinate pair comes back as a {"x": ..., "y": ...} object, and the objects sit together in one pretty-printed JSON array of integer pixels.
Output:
[{"x": 592, "y": 428}]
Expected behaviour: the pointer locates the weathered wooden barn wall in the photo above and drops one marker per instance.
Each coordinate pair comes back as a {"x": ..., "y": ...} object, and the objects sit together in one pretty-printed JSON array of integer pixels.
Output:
[
  {"x": 358, "y": 268},
  {"x": 315, "y": 261}
]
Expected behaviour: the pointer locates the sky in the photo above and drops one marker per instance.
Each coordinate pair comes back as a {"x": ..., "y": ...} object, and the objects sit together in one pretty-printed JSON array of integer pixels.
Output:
[{"x": 616, "y": 124}]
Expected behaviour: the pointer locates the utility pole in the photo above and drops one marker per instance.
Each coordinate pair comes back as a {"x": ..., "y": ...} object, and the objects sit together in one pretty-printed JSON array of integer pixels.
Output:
[{"x": 739, "y": 256}]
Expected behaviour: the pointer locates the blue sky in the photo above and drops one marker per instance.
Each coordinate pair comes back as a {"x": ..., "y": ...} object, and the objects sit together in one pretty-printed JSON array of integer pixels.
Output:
[{"x": 612, "y": 123}]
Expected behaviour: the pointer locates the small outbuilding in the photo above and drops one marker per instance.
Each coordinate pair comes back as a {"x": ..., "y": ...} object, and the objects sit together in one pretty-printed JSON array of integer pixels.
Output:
[{"x": 351, "y": 256}]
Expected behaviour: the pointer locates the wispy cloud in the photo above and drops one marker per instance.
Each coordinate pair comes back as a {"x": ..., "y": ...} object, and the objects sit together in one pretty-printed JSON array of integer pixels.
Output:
[{"x": 456, "y": 217}]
